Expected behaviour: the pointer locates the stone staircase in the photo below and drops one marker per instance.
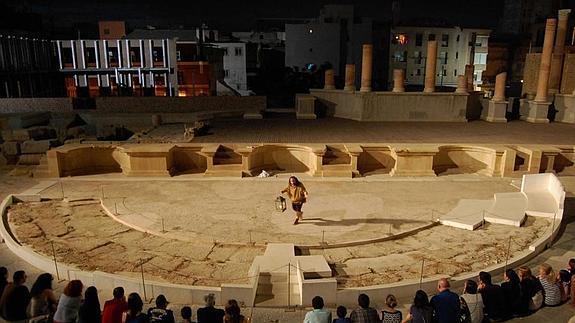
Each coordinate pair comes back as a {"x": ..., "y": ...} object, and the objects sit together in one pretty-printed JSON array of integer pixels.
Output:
[
  {"x": 41, "y": 170},
  {"x": 273, "y": 290}
]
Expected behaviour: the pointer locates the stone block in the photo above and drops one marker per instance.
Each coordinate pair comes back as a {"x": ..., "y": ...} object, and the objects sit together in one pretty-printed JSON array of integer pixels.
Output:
[
  {"x": 11, "y": 148},
  {"x": 30, "y": 159},
  {"x": 496, "y": 111},
  {"x": 536, "y": 112},
  {"x": 25, "y": 120},
  {"x": 37, "y": 146}
]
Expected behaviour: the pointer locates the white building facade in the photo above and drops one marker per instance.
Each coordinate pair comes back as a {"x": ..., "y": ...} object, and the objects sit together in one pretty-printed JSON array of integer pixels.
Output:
[
  {"x": 235, "y": 74},
  {"x": 456, "y": 47}
]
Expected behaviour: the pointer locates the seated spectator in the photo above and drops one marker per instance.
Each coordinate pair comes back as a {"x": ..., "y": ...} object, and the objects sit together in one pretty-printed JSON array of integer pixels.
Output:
[
  {"x": 15, "y": 298},
  {"x": 420, "y": 311},
  {"x": 446, "y": 304},
  {"x": 550, "y": 283},
  {"x": 210, "y": 314},
  {"x": 3, "y": 279},
  {"x": 512, "y": 291},
  {"x": 90, "y": 308},
  {"x": 495, "y": 307},
  {"x": 114, "y": 309},
  {"x": 571, "y": 266},
  {"x": 565, "y": 284},
  {"x": 364, "y": 313},
  {"x": 473, "y": 300},
  {"x": 135, "y": 306},
  {"x": 160, "y": 313},
  {"x": 233, "y": 313},
  {"x": 390, "y": 314},
  {"x": 186, "y": 314},
  {"x": 341, "y": 312},
  {"x": 69, "y": 303},
  {"x": 318, "y": 314},
  {"x": 531, "y": 291},
  {"x": 42, "y": 298}
]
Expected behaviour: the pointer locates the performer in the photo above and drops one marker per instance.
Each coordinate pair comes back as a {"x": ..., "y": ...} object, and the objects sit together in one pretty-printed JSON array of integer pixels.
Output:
[{"x": 298, "y": 195}]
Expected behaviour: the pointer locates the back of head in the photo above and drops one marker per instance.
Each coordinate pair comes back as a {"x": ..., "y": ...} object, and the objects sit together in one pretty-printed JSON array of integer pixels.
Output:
[
  {"x": 547, "y": 271},
  {"x": 485, "y": 277},
  {"x": 135, "y": 303},
  {"x": 19, "y": 277},
  {"x": 91, "y": 296},
  {"x": 565, "y": 276},
  {"x": 186, "y": 313},
  {"x": 363, "y": 300},
  {"x": 3, "y": 274},
  {"x": 74, "y": 288},
  {"x": 443, "y": 284},
  {"x": 210, "y": 300},
  {"x": 43, "y": 282},
  {"x": 470, "y": 287},
  {"x": 524, "y": 273},
  {"x": 118, "y": 292},
  {"x": 391, "y": 301},
  {"x": 161, "y": 301},
  {"x": 420, "y": 300},
  {"x": 572, "y": 263},
  {"x": 317, "y": 302},
  {"x": 232, "y": 309},
  {"x": 512, "y": 276},
  {"x": 341, "y": 311}
]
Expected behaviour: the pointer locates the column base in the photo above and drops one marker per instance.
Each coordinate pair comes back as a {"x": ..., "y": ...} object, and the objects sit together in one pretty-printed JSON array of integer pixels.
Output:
[
  {"x": 349, "y": 88},
  {"x": 398, "y": 90},
  {"x": 565, "y": 105},
  {"x": 253, "y": 115},
  {"x": 496, "y": 111},
  {"x": 306, "y": 116},
  {"x": 365, "y": 89},
  {"x": 537, "y": 112},
  {"x": 428, "y": 90},
  {"x": 329, "y": 87}
]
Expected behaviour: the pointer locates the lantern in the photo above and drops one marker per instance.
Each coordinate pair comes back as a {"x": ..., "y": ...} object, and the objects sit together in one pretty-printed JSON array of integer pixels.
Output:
[{"x": 280, "y": 204}]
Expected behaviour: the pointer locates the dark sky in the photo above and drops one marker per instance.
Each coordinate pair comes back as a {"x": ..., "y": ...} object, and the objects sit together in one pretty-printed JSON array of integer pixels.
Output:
[{"x": 241, "y": 15}]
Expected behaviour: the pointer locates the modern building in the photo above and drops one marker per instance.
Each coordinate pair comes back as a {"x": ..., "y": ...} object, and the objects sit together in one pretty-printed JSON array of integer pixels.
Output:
[
  {"x": 456, "y": 47},
  {"x": 235, "y": 71}
]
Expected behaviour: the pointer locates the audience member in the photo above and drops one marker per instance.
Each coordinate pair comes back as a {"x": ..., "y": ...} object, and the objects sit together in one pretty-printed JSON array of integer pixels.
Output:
[
  {"x": 565, "y": 284},
  {"x": 233, "y": 313},
  {"x": 551, "y": 289},
  {"x": 473, "y": 300},
  {"x": 42, "y": 298},
  {"x": 114, "y": 309},
  {"x": 420, "y": 311},
  {"x": 3, "y": 279},
  {"x": 571, "y": 266},
  {"x": 15, "y": 298},
  {"x": 512, "y": 291},
  {"x": 69, "y": 303},
  {"x": 90, "y": 308},
  {"x": 135, "y": 306},
  {"x": 531, "y": 291},
  {"x": 160, "y": 313},
  {"x": 341, "y": 312},
  {"x": 318, "y": 314},
  {"x": 364, "y": 313},
  {"x": 495, "y": 307},
  {"x": 390, "y": 314},
  {"x": 210, "y": 314},
  {"x": 186, "y": 314},
  {"x": 446, "y": 304}
]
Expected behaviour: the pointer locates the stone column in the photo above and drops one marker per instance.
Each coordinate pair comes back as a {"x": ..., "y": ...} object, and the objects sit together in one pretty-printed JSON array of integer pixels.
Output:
[
  {"x": 366, "y": 68},
  {"x": 559, "y": 51},
  {"x": 461, "y": 84},
  {"x": 498, "y": 106},
  {"x": 329, "y": 83},
  {"x": 545, "y": 65},
  {"x": 469, "y": 70},
  {"x": 349, "y": 77},
  {"x": 398, "y": 80},
  {"x": 430, "y": 65},
  {"x": 500, "y": 87}
]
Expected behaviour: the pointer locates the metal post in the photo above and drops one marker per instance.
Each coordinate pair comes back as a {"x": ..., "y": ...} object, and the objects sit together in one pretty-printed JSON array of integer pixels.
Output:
[
  {"x": 250, "y": 233},
  {"x": 143, "y": 281},
  {"x": 390, "y": 229},
  {"x": 115, "y": 208},
  {"x": 102, "y": 192},
  {"x": 62, "y": 189},
  {"x": 163, "y": 228},
  {"x": 55, "y": 262},
  {"x": 507, "y": 255},
  {"x": 322, "y": 237},
  {"x": 421, "y": 275},
  {"x": 288, "y": 285}
]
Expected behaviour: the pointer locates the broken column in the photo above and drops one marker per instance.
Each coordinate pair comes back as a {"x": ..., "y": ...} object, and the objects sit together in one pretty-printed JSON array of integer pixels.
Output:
[
  {"x": 461, "y": 84},
  {"x": 349, "y": 77},
  {"x": 398, "y": 80},
  {"x": 539, "y": 107},
  {"x": 430, "y": 65},
  {"x": 329, "y": 82},
  {"x": 469, "y": 71},
  {"x": 559, "y": 51},
  {"x": 366, "y": 68},
  {"x": 497, "y": 105}
]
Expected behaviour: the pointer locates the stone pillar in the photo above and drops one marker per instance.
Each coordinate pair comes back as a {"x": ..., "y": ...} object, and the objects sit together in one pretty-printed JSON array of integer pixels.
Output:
[
  {"x": 349, "y": 77},
  {"x": 497, "y": 105},
  {"x": 469, "y": 70},
  {"x": 559, "y": 51},
  {"x": 398, "y": 80},
  {"x": 544, "y": 67},
  {"x": 366, "y": 68},
  {"x": 329, "y": 83},
  {"x": 430, "y": 65},
  {"x": 500, "y": 87},
  {"x": 461, "y": 84}
]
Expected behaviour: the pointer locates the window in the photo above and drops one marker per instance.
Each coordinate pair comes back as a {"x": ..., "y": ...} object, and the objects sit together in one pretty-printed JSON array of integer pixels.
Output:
[
  {"x": 455, "y": 72},
  {"x": 418, "y": 39},
  {"x": 400, "y": 56},
  {"x": 112, "y": 56},
  {"x": 180, "y": 78},
  {"x": 457, "y": 39},
  {"x": 158, "y": 54},
  {"x": 178, "y": 55},
  {"x": 90, "y": 55},
  {"x": 106, "y": 31},
  {"x": 418, "y": 57},
  {"x": 480, "y": 58},
  {"x": 418, "y": 72},
  {"x": 399, "y": 39},
  {"x": 225, "y": 50},
  {"x": 456, "y": 55},
  {"x": 226, "y": 73},
  {"x": 443, "y": 57},
  {"x": 431, "y": 37},
  {"x": 135, "y": 55},
  {"x": 238, "y": 51},
  {"x": 261, "y": 37},
  {"x": 444, "y": 72},
  {"x": 445, "y": 40}
]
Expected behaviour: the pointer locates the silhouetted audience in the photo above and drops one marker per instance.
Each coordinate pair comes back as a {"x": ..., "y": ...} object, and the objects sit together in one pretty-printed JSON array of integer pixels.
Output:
[
  {"x": 114, "y": 309},
  {"x": 318, "y": 314},
  {"x": 473, "y": 300},
  {"x": 495, "y": 306},
  {"x": 446, "y": 304},
  {"x": 90, "y": 308},
  {"x": 69, "y": 302},
  {"x": 565, "y": 284},
  {"x": 512, "y": 292},
  {"x": 390, "y": 314},
  {"x": 42, "y": 298},
  {"x": 364, "y": 313},
  {"x": 531, "y": 291},
  {"x": 15, "y": 298},
  {"x": 160, "y": 313},
  {"x": 210, "y": 314},
  {"x": 186, "y": 313},
  {"x": 3, "y": 279},
  {"x": 421, "y": 310},
  {"x": 135, "y": 306},
  {"x": 551, "y": 286},
  {"x": 341, "y": 312}
]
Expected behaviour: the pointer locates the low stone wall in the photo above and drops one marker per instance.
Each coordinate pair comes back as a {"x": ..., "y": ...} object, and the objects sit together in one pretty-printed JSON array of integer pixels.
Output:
[
  {"x": 391, "y": 106},
  {"x": 320, "y": 160}
]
